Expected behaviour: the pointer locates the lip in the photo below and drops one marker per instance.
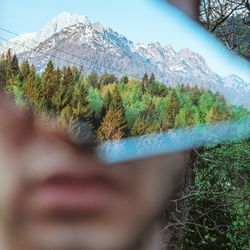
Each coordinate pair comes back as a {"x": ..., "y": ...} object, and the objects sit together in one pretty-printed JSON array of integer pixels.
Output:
[{"x": 73, "y": 192}]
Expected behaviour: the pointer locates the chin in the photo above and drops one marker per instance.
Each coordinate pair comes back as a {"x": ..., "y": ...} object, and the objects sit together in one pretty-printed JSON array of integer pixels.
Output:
[{"x": 70, "y": 237}]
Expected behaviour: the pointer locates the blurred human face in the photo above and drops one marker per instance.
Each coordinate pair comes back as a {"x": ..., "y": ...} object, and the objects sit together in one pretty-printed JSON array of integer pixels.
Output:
[{"x": 55, "y": 196}]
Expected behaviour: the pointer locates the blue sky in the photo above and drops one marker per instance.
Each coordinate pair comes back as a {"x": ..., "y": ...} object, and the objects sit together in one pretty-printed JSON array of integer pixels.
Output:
[{"x": 139, "y": 20}]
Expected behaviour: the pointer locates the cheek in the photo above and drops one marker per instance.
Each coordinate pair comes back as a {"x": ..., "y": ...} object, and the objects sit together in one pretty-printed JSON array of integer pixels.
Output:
[
  {"x": 142, "y": 205},
  {"x": 155, "y": 185},
  {"x": 147, "y": 191},
  {"x": 10, "y": 185}
]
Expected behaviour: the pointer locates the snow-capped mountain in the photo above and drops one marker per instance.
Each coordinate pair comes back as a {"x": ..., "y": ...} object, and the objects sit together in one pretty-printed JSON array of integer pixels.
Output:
[
  {"x": 28, "y": 41},
  {"x": 236, "y": 90},
  {"x": 70, "y": 39},
  {"x": 236, "y": 83}
]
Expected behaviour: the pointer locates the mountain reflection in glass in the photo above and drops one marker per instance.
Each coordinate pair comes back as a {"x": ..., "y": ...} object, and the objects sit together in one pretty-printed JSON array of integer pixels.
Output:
[{"x": 104, "y": 84}]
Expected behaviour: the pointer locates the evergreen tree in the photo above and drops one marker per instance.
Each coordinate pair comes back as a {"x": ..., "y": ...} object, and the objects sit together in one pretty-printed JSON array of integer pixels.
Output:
[
  {"x": 145, "y": 79},
  {"x": 146, "y": 122},
  {"x": 78, "y": 114},
  {"x": 152, "y": 78},
  {"x": 66, "y": 118},
  {"x": 124, "y": 79},
  {"x": 49, "y": 83},
  {"x": 113, "y": 125},
  {"x": 61, "y": 98},
  {"x": 194, "y": 95},
  {"x": 32, "y": 71},
  {"x": 107, "y": 100},
  {"x": 113, "y": 78},
  {"x": 81, "y": 107},
  {"x": 116, "y": 108},
  {"x": 118, "y": 104},
  {"x": 80, "y": 130},
  {"x": 2, "y": 74},
  {"x": 14, "y": 66},
  {"x": 25, "y": 69},
  {"x": 219, "y": 98},
  {"x": 142, "y": 89},
  {"x": 172, "y": 110},
  {"x": 31, "y": 88},
  {"x": 140, "y": 126},
  {"x": 8, "y": 56},
  {"x": 76, "y": 73},
  {"x": 64, "y": 90},
  {"x": 216, "y": 115},
  {"x": 7, "y": 65},
  {"x": 107, "y": 78},
  {"x": 185, "y": 118},
  {"x": 10, "y": 73},
  {"x": 93, "y": 79},
  {"x": 68, "y": 77},
  {"x": 49, "y": 69},
  {"x": 117, "y": 100}
]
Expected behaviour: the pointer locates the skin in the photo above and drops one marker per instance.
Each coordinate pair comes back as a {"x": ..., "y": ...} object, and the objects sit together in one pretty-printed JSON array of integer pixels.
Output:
[
  {"x": 31, "y": 153},
  {"x": 189, "y": 7}
]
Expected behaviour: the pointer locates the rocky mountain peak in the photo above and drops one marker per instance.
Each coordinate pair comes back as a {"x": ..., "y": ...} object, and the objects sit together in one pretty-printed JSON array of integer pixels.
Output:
[
  {"x": 102, "y": 49},
  {"x": 28, "y": 41},
  {"x": 98, "y": 27},
  {"x": 61, "y": 21}
]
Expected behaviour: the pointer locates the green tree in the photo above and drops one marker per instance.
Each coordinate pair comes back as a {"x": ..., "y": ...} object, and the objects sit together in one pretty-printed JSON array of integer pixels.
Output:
[
  {"x": 173, "y": 109},
  {"x": 152, "y": 78},
  {"x": 77, "y": 73},
  {"x": 81, "y": 106},
  {"x": 2, "y": 73},
  {"x": 31, "y": 86},
  {"x": 113, "y": 125},
  {"x": 117, "y": 100},
  {"x": 10, "y": 74},
  {"x": 14, "y": 66},
  {"x": 66, "y": 118},
  {"x": 124, "y": 79},
  {"x": 68, "y": 77},
  {"x": 107, "y": 100},
  {"x": 194, "y": 94},
  {"x": 78, "y": 113},
  {"x": 115, "y": 108},
  {"x": 8, "y": 61},
  {"x": 93, "y": 79},
  {"x": 63, "y": 94},
  {"x": 216, "y": 115},
  {"x": 145, "y": 79},
  {"x": 25, "y": 69},
  {"x": 185, "y": 118},
  {"x": 218, "y": 217},
  {"x": 50, "y": 79},
  {"x": 107, "y": 78},
  {"x": 146, "y": 121}
]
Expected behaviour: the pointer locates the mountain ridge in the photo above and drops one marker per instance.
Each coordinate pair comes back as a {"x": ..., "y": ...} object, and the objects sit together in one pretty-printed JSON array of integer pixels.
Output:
[{"x": 102, "y": 49}]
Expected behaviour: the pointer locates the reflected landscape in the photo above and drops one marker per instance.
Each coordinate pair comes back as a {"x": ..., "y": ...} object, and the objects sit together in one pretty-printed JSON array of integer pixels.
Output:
[{"x": 124, "y": 133}]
